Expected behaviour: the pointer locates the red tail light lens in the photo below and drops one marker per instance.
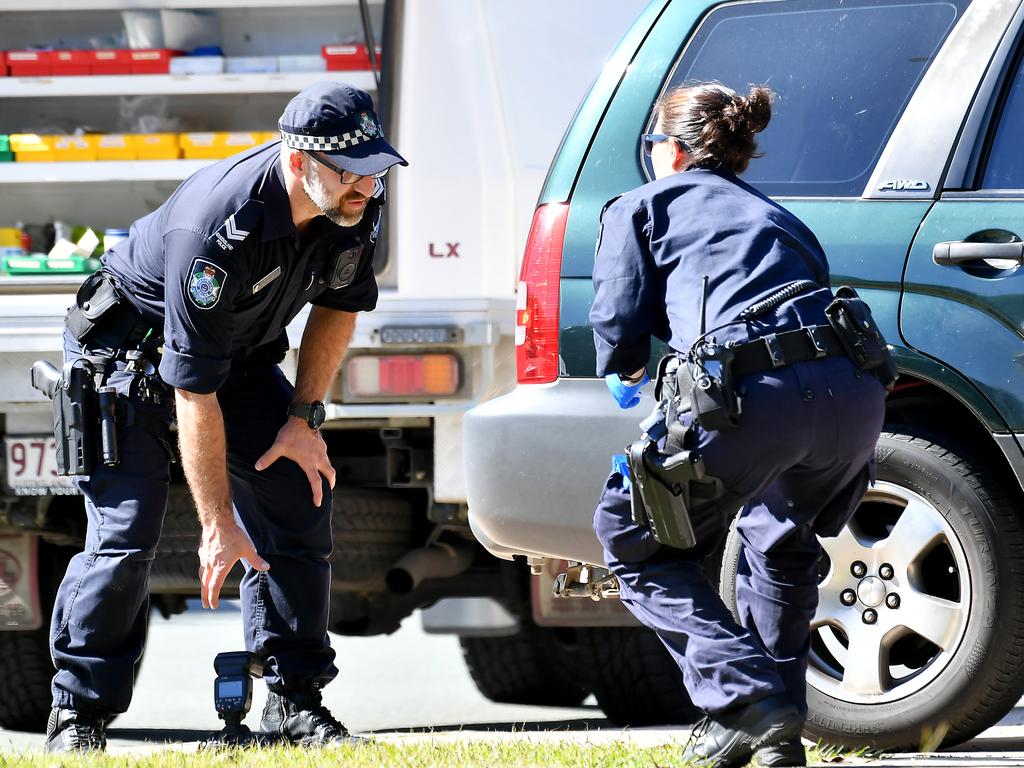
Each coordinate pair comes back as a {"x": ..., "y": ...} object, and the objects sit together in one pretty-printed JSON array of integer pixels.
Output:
[{"x": 538, "y": 295}]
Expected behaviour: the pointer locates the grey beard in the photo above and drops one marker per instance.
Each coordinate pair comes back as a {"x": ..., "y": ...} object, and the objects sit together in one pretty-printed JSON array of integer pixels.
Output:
[{"x": 317, "y": 195}]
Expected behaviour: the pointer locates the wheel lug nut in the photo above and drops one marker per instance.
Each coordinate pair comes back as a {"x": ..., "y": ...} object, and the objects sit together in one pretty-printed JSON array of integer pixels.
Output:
[
  {"x": 848, "y": 597},
  {"x": 858, "y": 569},
  {"x": 886, "y": 571},
  {"x": 869, "y": 616},
  {"x": 892, "y": 600}
]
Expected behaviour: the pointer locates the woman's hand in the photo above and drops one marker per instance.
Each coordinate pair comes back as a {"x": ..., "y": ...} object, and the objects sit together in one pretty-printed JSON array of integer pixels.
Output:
[{"x": 304, "y": 446}]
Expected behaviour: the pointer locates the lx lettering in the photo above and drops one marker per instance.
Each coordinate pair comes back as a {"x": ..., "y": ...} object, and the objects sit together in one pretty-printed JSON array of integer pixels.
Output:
[{"x": 453, "y": 251}]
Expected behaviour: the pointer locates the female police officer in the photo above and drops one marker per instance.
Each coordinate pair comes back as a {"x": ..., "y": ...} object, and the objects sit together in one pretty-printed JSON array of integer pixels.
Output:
[{"x": 699, "y": 246}]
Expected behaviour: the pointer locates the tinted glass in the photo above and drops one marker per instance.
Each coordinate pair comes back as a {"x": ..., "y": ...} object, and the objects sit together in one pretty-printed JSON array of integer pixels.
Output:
[
  {"x": 843, "y": 72},
  {"x": 1005, "y": 167}
]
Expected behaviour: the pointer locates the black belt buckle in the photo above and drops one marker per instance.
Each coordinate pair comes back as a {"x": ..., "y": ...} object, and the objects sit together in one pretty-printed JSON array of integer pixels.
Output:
[
  {"x": 818, "y": 343},
  {"x": 775, "y": 352}
]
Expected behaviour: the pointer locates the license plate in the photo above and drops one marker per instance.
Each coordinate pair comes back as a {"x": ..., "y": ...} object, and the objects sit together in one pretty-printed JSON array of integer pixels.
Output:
[{"x": 32, "y": 466}]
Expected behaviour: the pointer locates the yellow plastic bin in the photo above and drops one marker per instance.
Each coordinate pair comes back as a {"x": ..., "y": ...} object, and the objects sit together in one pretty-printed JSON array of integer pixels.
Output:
[
  {"x": 116, "y": 146},
  {"x": 204, "y": 146},
  {"x": 32, "y": 148},
  {"x": 269, "y": 136},
  {"x": 157, "y": 146},
  {"x": 237, "y": 142},
  {"x": 72, "y": 149}
]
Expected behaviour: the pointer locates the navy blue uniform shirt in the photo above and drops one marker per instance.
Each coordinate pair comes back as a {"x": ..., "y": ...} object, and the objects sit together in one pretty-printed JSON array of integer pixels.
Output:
[
  {"x": 659, "y": 240},
  {"x": 221, "y": 270}
]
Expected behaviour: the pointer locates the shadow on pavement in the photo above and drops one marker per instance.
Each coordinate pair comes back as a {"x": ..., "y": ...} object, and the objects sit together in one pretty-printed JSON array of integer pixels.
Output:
[
  {"x": 158, "y": 735},
  {"x": 582, "y": 724}
]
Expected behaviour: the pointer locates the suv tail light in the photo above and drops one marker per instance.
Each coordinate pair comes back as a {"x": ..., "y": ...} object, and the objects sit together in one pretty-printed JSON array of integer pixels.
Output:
[{"x": 538, "y": 295}]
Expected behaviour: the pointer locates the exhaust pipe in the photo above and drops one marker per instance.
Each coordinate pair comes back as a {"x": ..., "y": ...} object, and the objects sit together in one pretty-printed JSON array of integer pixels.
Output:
[{"x": 439, "y": 561}]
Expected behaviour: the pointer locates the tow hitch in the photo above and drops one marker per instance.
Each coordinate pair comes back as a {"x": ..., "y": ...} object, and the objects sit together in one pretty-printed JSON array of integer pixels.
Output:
[{"x": 583, "y": 580}]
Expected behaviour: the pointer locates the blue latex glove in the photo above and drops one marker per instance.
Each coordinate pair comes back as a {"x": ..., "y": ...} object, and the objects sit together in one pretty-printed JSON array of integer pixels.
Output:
[
  {"x": 626, "y": 395},
  {"x": 620, "y": 464}
]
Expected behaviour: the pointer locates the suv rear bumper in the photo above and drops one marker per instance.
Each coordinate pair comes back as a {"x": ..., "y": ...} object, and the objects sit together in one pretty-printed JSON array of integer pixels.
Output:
[{"x": 529, "y": 491}]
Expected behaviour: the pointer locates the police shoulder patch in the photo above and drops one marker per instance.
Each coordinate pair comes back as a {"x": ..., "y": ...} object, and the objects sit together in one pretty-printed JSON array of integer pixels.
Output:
[{"x": 205, "y": 283}]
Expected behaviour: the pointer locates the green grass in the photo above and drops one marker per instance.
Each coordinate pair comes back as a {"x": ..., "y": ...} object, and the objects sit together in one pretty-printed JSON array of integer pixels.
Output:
[{"x": 510, "y": 753}]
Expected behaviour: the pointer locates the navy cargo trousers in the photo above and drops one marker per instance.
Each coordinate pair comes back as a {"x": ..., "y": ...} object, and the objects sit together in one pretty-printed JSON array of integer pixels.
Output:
[
  {"x": 801, "y": 456},
  {"x": 102, "y": 607}
]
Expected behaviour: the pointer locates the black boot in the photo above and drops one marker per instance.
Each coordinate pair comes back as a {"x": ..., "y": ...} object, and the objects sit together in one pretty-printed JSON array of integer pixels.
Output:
[
  {"x": 788, "y": 754},
  {"x": 733, "y": 737},
  {"x": 301, "y": 718},
  {"x": 69, "y": 730}
]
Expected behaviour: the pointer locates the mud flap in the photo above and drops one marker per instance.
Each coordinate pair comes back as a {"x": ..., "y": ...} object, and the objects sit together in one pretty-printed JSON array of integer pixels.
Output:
[{"x": 20, "y": 608}]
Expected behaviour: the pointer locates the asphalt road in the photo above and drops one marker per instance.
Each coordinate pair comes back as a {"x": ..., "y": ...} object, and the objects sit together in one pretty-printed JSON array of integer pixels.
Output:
[{"x": 407, "y": 685}]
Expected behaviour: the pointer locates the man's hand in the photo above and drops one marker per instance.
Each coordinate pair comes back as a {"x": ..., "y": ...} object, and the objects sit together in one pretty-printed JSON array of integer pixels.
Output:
[
  {"x": 223, "y": 544},
  {"x": 304, "y": 446}
]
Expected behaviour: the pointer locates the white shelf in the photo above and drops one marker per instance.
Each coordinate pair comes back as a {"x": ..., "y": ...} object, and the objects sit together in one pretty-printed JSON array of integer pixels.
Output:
[
  {"x": 119, "y": 85},
  {"x": 70, "y": 173},
  {"x": 119, "y": 5}
]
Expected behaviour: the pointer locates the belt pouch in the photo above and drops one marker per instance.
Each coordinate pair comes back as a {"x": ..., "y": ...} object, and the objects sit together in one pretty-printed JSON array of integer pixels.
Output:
[
  {"x": 860, "y": 336},
  {"x": 98, "y": 307}
]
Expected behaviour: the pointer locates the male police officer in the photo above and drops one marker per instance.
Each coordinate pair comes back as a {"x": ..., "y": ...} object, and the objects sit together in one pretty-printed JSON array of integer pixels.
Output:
[{"x": 190, "y": 313}]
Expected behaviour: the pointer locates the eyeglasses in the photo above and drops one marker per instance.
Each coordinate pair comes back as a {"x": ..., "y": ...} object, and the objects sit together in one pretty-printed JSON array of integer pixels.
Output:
[
  {"x": 347, "y": 177},
  {"x": 648, "y": 140}
]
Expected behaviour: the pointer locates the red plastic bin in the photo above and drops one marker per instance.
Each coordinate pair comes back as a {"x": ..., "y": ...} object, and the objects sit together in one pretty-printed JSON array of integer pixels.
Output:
[
  {"x": 110, "y": 61},
  {"x": 152, "y": 61},
  {"x": 70, "y": 62},
  {"x": 3, "y": 63},
  {"x": 346, "y": 57},
  {"x": 29, "y": 63}
]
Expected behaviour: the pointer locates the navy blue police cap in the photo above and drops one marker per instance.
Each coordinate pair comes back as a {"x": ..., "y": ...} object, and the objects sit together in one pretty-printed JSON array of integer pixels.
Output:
[{"x": 337, "y": 120}]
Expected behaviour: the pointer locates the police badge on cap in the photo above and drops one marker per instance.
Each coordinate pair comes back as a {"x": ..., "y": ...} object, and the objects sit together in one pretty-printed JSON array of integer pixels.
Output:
[{"x": 337, "y": 120}]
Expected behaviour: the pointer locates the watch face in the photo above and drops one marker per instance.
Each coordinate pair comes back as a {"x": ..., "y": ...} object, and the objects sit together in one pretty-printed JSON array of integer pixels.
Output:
[{"x": 317, "y": 414}]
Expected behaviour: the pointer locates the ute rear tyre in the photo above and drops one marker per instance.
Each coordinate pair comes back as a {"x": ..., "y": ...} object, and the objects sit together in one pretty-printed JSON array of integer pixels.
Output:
[
  {"x": 25, "y": 665},
  {"x": 535, "y": 666},
  {"x": 941, "y": 657},
  {"x": 634, "y": 679}
]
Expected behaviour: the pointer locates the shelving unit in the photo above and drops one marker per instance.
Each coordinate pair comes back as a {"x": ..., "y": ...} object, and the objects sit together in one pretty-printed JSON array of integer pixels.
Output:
[
  {"x": 128, "y": 5},
  {"x": 160, "y": 85},
  {"x": 113, "y": 194},
  {"x": 78, "y": 173}
]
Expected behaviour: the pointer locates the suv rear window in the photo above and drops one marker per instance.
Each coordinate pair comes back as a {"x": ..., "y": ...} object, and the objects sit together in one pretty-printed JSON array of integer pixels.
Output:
[
  {"x": 843, "y": 72},
  {"x": 1005, "y": 169}
]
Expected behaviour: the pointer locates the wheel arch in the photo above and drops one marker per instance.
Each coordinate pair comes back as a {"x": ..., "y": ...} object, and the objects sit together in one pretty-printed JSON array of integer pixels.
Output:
[{"x": 928, "y": 403}]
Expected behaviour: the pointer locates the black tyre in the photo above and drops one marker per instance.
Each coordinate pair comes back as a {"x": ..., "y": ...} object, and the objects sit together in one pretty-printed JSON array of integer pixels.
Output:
[
  {"x": 535, "y": 666},
  {"x": 634, "y": 679},
  {"x": 944, "y": 659},
  {"x": 25, "y": 665}
]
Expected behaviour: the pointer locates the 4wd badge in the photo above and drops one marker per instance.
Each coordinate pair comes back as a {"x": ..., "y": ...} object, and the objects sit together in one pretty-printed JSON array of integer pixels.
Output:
[
  {"x": 205, "y": 283},
  {"x": 904, "y": 185}
]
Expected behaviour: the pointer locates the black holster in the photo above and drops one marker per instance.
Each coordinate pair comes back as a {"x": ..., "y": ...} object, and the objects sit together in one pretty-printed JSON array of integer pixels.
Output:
[
  {"x": 667, "y": 481},
  {"x": 75, "y": 418}
]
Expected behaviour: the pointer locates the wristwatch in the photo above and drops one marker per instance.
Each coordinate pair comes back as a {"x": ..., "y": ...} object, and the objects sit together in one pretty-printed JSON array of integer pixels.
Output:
[{"x": 313, "y": 413}]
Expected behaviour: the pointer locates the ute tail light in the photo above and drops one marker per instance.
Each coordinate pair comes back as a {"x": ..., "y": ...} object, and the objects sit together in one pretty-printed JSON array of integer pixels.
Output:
[
  {"x": 538, "y": 296},
  {"x": 413, "y": 375}
]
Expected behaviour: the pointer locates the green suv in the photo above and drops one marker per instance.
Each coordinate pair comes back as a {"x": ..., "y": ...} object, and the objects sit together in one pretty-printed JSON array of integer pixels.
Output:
[{"x": 898, "y": 137}]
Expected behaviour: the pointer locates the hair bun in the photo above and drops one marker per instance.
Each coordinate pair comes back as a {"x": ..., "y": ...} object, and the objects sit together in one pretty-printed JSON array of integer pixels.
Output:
[{"x": 757, "y": 107}]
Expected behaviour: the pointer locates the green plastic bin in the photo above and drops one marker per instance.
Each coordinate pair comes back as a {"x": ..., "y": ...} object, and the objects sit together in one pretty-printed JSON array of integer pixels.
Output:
[{"x": 6, "y": 156}]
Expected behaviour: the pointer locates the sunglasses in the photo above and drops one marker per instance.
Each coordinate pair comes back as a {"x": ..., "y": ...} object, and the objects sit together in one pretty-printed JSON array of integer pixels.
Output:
[
  {"x": 648, "y": 140},
  {"x": 347, "y": 177}
]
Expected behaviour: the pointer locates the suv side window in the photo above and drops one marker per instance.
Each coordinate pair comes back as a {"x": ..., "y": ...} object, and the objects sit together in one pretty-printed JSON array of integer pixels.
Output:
[
  {"x": 843, "y": 72},
  {"x": 1005, "y": 166}
]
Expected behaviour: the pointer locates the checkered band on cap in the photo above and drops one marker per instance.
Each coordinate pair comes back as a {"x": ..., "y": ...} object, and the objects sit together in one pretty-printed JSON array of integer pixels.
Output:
[{"x": 325, "y": 143}]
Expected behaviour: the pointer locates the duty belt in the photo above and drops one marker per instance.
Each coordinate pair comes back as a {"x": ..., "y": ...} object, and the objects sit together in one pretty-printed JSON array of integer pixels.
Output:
[{"x": 779, "y": 349}]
